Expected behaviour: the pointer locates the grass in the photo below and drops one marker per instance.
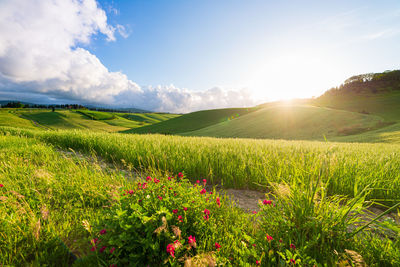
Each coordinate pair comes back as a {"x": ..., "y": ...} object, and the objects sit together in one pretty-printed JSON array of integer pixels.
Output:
[
  {"x": 193, "y": 121},
  {"x": 149, "y": 118},
  {"x": 9, "y": 118},
  {"x": 385, "y": 105},
  {"x": 37, "y": 181},
  {"x": 108, "y": 218},
  {"x": 97, "y": 115},
  {"x": 246, "y": 163},
  {"x": 291, "y": 122},
  {"x": 78, "y": 119}
]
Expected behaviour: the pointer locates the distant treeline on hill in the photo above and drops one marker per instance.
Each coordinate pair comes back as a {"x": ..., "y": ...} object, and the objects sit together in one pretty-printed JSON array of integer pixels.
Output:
[
  {"x": 374, "y": 83},
  {"x": 18, "y": 104}
]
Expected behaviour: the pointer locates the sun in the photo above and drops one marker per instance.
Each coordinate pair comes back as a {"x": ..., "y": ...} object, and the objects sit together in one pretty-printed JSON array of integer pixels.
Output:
[{"x": 295, "y": 75}]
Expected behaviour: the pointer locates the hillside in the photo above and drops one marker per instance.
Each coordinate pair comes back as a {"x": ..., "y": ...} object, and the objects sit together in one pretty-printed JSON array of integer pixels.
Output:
[
  {"x": 193, "y": 121},
  {"x": 78, "y": 119},
  {"x": 291, "y": 122}
]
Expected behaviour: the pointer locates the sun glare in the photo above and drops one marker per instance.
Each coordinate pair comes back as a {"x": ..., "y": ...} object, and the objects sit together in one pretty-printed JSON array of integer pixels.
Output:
[{"x": 294, "y": 75}]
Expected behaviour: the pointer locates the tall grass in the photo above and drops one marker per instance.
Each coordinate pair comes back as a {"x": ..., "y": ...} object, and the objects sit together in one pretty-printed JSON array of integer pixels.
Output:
[{"x": 246, "y": 163}]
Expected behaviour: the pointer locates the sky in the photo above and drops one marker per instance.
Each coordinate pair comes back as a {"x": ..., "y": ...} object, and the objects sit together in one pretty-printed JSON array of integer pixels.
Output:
[{"x": 182, "y": 56}]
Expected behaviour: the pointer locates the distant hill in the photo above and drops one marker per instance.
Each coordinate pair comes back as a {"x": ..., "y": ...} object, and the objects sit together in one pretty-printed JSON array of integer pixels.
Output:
[
  {"x": 78, "y": 119},
  {"x": 292, "y": 122},
  {"x": 193, "y": 121}
]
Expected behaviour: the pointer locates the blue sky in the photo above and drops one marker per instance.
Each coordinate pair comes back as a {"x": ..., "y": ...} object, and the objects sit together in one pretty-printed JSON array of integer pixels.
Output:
[
  {"x": 181, "y": 56},
  {"x": 201, "y": 44}
]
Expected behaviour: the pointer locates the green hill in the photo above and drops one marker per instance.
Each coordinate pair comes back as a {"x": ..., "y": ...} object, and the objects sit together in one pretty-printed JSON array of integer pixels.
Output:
[
  {"x": 292, "y": 122},
  {"x": 193, "y": 121},
  {"x": 78, "y": 119}
]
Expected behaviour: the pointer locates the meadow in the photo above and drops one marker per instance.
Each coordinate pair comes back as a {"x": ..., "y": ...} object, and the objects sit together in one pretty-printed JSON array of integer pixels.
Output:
[
  {"x": 74, "y": 191},
  {"x": 144, "y": 212}
]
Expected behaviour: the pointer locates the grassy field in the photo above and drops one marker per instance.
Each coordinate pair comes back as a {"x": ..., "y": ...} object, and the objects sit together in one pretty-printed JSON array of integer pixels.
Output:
[
  {"x": 59, "y": 205},
  {"x": 8, "y": 117},
  {"x": 193, "y": 121},
  {"x": 241, "y": 163},
  {"x": 291, "y": 122},
  {"x": 385, "y": 105},
  {"x": 78, "y": 119},
  {"x": 104, "y": 209}
]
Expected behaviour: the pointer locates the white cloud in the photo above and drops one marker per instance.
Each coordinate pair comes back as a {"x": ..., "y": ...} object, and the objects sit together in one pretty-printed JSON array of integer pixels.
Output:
[{"x": 40, "y": 53}]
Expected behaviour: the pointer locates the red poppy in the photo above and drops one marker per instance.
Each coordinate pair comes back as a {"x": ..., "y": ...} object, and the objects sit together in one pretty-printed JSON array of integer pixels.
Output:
[{"x": 217, "y": 246}]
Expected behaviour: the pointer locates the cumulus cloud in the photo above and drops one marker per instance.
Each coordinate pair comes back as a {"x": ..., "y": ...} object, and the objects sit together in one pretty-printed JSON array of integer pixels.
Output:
[{"x": 41, "y": 53}]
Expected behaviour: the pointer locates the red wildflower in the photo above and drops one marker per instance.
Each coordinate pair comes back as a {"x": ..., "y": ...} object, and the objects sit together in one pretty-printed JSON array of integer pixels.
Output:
[
  {"x": 269, "y": 238},
  {"x": 144, "y": 186},
  {"x": 217, "y": 246},
  {"x": 185, "y": 209},
  {"x": 171, "y": 250},
  {"x": 93, "y": 248},
  {"x": 103, "y": 231},
  {"x": 254, "y": 212},
  {"x": 292, "y": 246},
  {"x": 1, "y": 185},
  {"x": 102, "y": 249},
  {"x": 267, "y": 202},
  {"x": 130, "y": 192},
  {"x": 160, "y": 198},
  {"x": 257, "y": 262},
  {"x": 175, "y": 211},
  {"x": 203, "y": 191},
  {"x": 192, "y": 240},
  {"x": 169, "y": 178},
  {"x": 112, "y": 250},
  {"x": 206, "y": 212},
  {"x": 180, "y": 175},
  {"x": 180, "y": 218},
  {"x": 211, "y": 193},
  {"x": 280, "y": 241},
  {"x": 254, "y": 245},
  {"x": 198, "y": 181},
  {"x": 218, "y": 202},
  {"x": 204, "y": 182},
  {"x": 156, "y": 180},
  {"x": 292, "y": 261},
  {"x": 113, "y": 265},
  {"x": 94, "y": 241},
  {"x": 148, "y": 178}
]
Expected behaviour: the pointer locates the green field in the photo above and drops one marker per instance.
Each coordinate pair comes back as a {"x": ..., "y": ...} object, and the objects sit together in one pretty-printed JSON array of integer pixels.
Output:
[
  {"x": 85, "y": 188},
  {"x": 78, "y": 119},
  {"x": 291, "y": 122},
  {"x": 336, "y": 174},
  {"x": 193, "y": 121}
]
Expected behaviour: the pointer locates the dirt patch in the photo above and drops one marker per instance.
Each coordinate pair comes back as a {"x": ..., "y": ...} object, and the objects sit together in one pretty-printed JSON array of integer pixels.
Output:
[{"x": 245, "y": 199}]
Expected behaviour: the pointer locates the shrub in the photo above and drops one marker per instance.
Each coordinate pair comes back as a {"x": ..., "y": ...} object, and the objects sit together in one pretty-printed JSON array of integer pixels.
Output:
[{"x": 171, "y": 221}]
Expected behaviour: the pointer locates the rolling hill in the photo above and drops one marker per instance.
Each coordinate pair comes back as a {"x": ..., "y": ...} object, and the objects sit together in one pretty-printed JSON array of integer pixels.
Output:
[
  {"x": 193, "y": 121},
  {"x": 78, "y": 119},
  {"x": 291, "y": 122}
]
